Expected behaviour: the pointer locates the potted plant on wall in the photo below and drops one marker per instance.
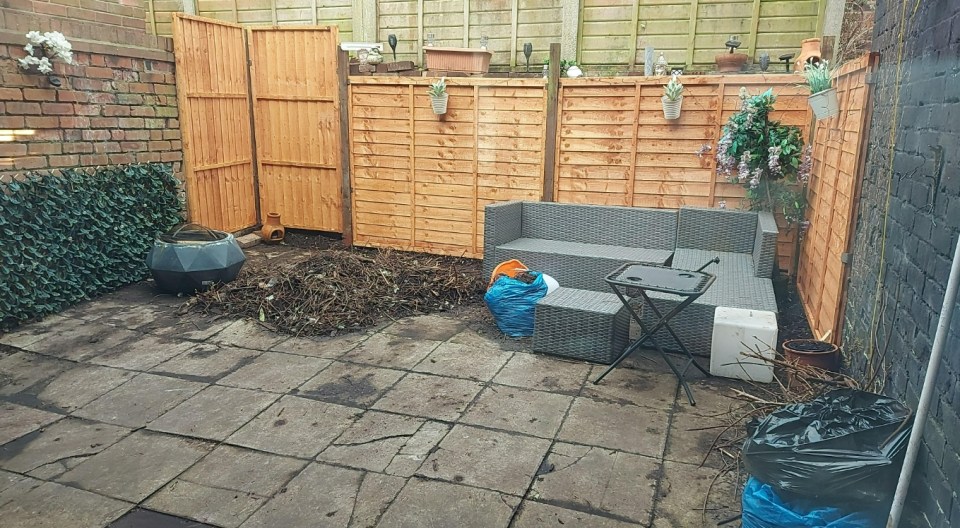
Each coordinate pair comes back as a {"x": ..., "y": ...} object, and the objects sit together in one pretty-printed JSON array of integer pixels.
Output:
[
  {"x": 439, "y": 96},
  {"x": 823, "y": 96},
  {"x": 672, "y": 98}
]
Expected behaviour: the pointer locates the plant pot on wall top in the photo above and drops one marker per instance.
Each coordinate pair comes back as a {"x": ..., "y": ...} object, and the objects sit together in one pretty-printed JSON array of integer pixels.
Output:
[{"x": 731, "y": 62}]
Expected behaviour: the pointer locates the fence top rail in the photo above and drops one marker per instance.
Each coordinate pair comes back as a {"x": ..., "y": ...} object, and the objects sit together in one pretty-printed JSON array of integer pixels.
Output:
[
  {"x": 689, "y": 80},
  {"x": 852, "y": 67},
  {"x": 292, "y": 28},
  {"x": 451, "y": 81},
  {"x": 206, "y": 20}
]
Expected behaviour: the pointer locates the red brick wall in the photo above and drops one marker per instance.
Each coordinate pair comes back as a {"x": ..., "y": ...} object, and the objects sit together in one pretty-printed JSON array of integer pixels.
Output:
[
  {"x": 117, "y": 103},
  {"x": 116, "y": 21}
]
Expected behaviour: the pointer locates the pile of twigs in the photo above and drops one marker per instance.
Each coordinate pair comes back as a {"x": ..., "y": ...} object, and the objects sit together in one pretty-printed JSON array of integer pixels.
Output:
[
  {"x": 336, "y": 290},
  {"x": 793, "y": 383}
]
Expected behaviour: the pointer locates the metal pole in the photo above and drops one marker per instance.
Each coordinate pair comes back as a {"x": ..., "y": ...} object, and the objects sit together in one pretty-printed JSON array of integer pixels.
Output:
[{"x": 926, "y": 394}]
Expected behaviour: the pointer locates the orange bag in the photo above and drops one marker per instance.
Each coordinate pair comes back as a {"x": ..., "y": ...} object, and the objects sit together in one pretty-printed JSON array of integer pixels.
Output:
[{"x": 510, "y": 268}]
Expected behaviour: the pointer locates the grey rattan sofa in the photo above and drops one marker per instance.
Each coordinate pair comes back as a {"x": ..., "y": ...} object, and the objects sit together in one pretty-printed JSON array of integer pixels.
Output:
[
  {"x": 576, "y": 244},
  {"x": 580, "y": 244},
  {"x": 746, "y": 243}
]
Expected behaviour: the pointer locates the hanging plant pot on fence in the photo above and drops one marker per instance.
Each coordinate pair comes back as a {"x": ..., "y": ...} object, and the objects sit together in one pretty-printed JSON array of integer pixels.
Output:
[
  {"x": 439, "y": 104},
  {"x": 194, "y": 258},
  {"x": 825, "y": 104},
  {"x": 671, "y": 109}
]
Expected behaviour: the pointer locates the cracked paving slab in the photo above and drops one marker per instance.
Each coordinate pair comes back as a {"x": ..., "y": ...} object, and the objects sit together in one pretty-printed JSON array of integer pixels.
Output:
[
  {"x": 435, "y": 397},
  {"x": 630, "y": 428},
  {"x": 226, "y": 486},
  {"x": 433, "y": 504},
  {"x": 328, "y": 496},
  {"x": 51, "y": 505},
  {"x": 135, "y": 467},
  {"x": 59, "y": 447},
  {"x": 599, "y": 481},
  {"x": 464, "y": 361},
  {"x": 373, "y": 441},
  {"x": 214, "y": 413},
  {"x": 18, "y": 420},
  {"x": 530, "y": 412},
  {"x": 487, "y": 459},
  {"x": 140, "y": 400},
  {"x": 295, "y": 427}
]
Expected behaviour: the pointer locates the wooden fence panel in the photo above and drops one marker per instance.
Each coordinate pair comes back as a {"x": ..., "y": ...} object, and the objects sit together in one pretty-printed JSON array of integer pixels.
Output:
[
  {"x": 421, "y": 182},
  {"x": 297, "y": 114},
  {"x": 838, "y": 143},
  {"x": 615, "y": 147},
  {"x": 215, "y": 122}
]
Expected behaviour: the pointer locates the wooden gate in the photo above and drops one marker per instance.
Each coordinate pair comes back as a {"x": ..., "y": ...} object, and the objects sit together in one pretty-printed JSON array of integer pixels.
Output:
[
  {"x": 297, "y": 114},
  {"x": 838, "y": 150},
  {"x": 215, "y": 122}
]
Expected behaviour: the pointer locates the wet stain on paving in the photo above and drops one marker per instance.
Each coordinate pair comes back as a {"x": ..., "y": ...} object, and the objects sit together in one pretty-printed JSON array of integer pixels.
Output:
[
  {"x": 346, "y": 390},
  {"x": 141, "y": 518}
]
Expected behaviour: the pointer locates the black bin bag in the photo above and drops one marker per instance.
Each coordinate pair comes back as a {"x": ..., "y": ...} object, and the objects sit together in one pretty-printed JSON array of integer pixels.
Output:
[{"x": 846, "y": 446}]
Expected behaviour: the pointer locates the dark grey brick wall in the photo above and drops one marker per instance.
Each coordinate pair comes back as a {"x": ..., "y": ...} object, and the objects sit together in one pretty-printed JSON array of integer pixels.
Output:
[{"x": 919, "y": 108}]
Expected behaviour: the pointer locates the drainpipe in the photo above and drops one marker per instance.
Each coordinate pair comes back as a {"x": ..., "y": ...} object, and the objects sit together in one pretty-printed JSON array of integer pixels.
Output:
[{"x": 926, "y": 394}]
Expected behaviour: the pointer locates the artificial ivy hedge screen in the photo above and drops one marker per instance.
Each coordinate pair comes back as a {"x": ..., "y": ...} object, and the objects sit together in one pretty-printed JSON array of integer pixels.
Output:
[{"x": 70, "y": 236}]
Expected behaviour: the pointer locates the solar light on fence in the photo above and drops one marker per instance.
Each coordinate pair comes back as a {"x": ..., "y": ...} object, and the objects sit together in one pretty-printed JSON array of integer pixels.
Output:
[
  {"x": 392, "y": 40},
  {"x": 527, "y": 51}
]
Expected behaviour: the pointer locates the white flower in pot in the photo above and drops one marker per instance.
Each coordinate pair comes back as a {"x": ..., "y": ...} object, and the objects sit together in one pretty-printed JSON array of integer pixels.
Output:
[
  {"x": 439, "y": 96},
  {"x": 823, "y": 96},
  {"x": 672, "y": 98},
  {"x": 41, "y": 48}
]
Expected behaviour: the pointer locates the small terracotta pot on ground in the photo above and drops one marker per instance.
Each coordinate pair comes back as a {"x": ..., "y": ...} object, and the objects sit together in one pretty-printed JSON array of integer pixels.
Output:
[{"x": 272, "y": 231}]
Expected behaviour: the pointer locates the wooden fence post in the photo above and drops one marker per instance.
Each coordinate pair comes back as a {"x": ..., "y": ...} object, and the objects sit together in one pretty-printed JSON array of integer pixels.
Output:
[
  {"x": 550, "y": 145},
  {"x": 343, "y": 73}
]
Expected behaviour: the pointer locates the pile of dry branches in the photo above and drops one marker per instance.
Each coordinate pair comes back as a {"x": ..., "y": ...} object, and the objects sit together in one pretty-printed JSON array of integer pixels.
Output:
[{"x": 336, "y": 290}]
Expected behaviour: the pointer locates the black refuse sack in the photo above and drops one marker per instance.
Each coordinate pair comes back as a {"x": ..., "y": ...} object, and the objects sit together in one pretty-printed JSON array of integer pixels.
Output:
[{"x": 845, "y": 446}]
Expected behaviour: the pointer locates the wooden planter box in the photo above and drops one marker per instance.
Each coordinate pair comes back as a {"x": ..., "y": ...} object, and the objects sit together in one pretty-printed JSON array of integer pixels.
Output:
[{"x": 466, "y": 60}]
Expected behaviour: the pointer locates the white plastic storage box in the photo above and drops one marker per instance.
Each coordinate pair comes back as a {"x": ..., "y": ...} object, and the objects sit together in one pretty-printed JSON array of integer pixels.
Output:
[{"x": 738, "y": 332}]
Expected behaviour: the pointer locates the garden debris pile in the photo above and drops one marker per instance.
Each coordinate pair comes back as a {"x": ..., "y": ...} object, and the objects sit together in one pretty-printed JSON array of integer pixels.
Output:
[
  {"x": 338, "y": 290},
  {"x": 793, "y": 383}
]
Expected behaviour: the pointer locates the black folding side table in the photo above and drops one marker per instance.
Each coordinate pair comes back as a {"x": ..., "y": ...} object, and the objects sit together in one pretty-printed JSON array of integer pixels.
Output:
[{"x": 632, "y": 280}]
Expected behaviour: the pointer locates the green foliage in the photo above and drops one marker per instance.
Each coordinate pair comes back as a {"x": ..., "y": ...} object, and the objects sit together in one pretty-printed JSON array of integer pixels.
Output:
[
  {"x": 438, "y": 88},
  {"x": 565, "y": 65},
  {"x": 82, "y": 233},
  {"x": 674, "y": 89},
  {"x": 818, "y": 76},
  {"x": 765, "y": 156}
]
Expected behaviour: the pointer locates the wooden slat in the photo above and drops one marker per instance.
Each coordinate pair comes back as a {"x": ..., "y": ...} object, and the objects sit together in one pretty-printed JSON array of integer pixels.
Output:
[{"x": 215, "y": 124}]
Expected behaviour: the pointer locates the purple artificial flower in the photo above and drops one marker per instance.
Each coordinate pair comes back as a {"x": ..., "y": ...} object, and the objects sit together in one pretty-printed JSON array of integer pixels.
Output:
[
  {"x": 773, "y": 161},
  {"x": 806, "y": 165},
  {"x": 743, "y": 169}
]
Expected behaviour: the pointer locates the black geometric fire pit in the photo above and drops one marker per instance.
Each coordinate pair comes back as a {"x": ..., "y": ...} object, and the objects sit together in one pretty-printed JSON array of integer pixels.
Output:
[{"x": 193, "y": 258}]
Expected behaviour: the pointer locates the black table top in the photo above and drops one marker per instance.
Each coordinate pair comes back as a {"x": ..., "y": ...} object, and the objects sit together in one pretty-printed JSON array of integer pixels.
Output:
[{"x": 661, "y": 278}]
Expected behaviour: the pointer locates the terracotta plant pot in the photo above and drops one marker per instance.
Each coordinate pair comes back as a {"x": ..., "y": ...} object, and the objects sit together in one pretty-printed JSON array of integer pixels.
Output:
[
  {"x": 731, "y": 62},
  {"x": 272, "y": 231},
  {"x": 812, "y": 352},
  {"x": 466, "y": 60},
  {"x": 809, "y": 52},
  {"x": 825, "y": 104},
  {"x": 671, "y": 109},
  {"x": 439, "y": 104}
]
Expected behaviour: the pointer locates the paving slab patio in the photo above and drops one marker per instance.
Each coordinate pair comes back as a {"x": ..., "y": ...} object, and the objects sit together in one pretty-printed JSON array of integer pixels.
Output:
[{"x": 123, "y": 405}]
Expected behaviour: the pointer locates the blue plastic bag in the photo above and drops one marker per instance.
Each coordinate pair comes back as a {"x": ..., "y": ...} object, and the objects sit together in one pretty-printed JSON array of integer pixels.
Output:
[
  {"x": 763, "y": 508},
  {"x": 512, "y": 303}
]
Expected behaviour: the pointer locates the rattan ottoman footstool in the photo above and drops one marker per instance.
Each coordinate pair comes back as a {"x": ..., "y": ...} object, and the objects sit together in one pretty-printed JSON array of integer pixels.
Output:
[{"x": 581, "y": 324}]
